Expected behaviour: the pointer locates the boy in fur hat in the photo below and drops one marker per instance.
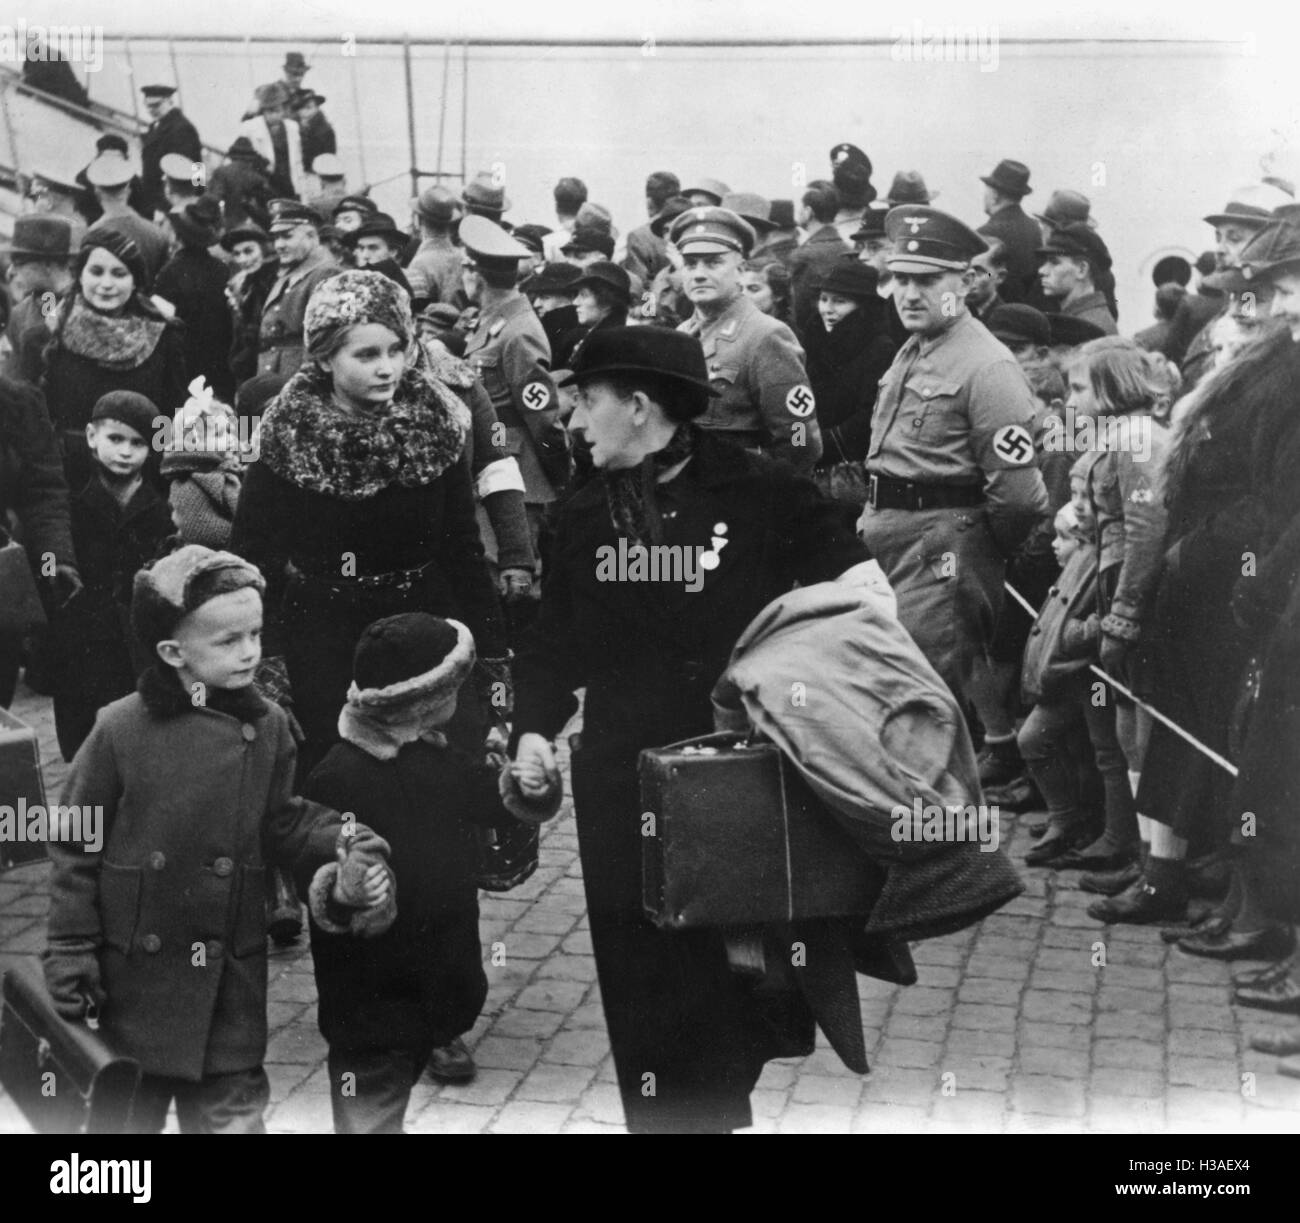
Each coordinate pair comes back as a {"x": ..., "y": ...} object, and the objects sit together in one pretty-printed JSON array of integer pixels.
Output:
[
  {"x": 157, "y": 910},
  {"x": 389, "y": 1000}
]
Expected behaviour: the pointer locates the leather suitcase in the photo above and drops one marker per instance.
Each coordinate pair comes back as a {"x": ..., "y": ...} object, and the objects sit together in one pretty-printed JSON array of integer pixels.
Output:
[
  {"x": 20, "y": 778},
  {"x": 740, "y": 840},
  {"x": 64, "y": 1077}
]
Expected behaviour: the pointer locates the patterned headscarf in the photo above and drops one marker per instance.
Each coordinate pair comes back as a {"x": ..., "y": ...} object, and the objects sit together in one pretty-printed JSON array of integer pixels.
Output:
[{"x": 351, "y": 298}]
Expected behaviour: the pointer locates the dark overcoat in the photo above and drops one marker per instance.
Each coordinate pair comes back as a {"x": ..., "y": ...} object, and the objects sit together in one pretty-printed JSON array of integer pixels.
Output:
[
  {"x": 648, "y": 655},
  {"x": 197, "y": 804}
]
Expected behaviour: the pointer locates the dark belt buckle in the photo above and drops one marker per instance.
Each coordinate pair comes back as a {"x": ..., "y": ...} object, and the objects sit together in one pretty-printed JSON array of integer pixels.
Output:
[{"x": 872, "y": 485}]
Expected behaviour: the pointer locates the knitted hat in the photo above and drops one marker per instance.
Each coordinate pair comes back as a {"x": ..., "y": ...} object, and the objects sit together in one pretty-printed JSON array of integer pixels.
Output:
[
  {"x": 129, "y": 407},
  {"x": 357, "y": 297},
  {"x": 169, "y": 589}
]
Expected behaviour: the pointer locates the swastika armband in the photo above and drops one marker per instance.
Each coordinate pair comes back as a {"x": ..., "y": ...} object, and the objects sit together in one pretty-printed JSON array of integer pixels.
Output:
[
  {"x": 799, "y": 400},
  {"x": 1013, "y": 445},
  {"x": 536, "y": 396}
]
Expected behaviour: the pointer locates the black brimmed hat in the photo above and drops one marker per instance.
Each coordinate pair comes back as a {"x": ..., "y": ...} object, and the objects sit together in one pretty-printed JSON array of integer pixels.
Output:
[
  {"x": 588, "y": 238},
  {"x": 1020, "y": 324},
  {"x": 606, "y": 275},
  {"x": 356, "y": 203},
  {"x": 553, "y": 280},
  {"x": 1071, "y": 330},
  {"x": 1251, "y": 206},
  {"x": 673, "y": 207},
  {"x": 377, "y": 225},
  {"x": 642, "y": 350},
  {"x": 849, "y": 277},
  {"x": 873, "y": 223},
  {"x": 1009, "y": 177},
  {"x": 197, "y": 223},
  {"x": 247, "y": 232}
]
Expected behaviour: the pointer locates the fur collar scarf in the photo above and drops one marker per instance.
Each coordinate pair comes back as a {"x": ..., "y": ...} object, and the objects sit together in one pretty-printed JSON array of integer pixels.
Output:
[
  {"x": 307, "y": 440},
  {"x": 164, "y": 697},
  {"x": 123, "y": 341}
]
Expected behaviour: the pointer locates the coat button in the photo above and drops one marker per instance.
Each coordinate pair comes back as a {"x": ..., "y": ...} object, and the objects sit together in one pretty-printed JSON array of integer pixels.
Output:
[
  {"x": 916, "y": 422},
  {"x": 223, "y": 867},
  {"x": 249, "y": 732},
  {"x": 215, "y": 949},
  {"x": 157, "y": 860},
  {"x": 151, "y": 943}
]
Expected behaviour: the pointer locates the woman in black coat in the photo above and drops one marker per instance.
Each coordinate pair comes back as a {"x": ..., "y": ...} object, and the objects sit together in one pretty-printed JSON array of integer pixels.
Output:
[
  {"x": 108, "y": 337},
  {"x": 601, "y": 297},
  {"x": 689, "y": 1038},
  {"x": 849, "y": 349},
  {"x": 361, "y": 504}
]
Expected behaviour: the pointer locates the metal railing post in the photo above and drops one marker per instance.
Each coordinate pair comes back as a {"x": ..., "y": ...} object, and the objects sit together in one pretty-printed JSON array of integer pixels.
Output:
[{"x": 410, "y": 115}]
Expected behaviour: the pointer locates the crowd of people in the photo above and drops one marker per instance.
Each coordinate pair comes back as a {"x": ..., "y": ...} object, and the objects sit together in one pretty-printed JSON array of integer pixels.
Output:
[{"x": 339, "y": 478}]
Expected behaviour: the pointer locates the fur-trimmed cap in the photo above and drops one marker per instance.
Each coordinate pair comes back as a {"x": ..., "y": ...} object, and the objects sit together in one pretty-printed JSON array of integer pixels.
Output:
[
  {"x": 410, "y": 657},
  {"x": 353, "y": 297},
  {"x": 169, "y": 589}
]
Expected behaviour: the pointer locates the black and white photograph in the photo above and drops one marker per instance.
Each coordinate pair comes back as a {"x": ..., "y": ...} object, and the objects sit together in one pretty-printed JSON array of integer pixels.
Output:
[{"x": 679, "y": 568}]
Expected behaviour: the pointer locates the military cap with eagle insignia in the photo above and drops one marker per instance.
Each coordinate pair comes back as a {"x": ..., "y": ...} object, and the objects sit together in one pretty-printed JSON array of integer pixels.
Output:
[
  {"x": 707, "y": 230},
  {"x": 926, "y": 240}
]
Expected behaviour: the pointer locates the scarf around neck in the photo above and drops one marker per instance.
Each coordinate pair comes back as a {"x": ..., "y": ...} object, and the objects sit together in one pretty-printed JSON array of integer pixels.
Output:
[
  {"x": 630, "y": 494},
  {"x": 408, "y": 442},
  {"x": 116, "y": 341}
]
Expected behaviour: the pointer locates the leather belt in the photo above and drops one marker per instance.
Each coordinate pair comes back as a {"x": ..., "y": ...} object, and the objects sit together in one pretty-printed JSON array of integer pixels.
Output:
[
  {"x": 890, "y": 493},
  {"x": 397, "y": 579}
]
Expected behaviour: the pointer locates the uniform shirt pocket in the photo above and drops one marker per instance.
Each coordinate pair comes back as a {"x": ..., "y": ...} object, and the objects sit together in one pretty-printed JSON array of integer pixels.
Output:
[
  {"x": 119, "y": 904},
  {"x": 931, "y": 408}
]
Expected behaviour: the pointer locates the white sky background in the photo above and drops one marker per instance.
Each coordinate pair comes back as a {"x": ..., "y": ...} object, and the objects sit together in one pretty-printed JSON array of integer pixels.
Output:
[{"x": 674, "y": 18}]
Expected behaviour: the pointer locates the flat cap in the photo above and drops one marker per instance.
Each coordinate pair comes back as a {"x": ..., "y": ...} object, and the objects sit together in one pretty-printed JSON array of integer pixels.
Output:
[
  {"x": 707, "y": 230},
  {"x": 131, "y": 408},
  {"x": 441, "y": 314},
  {"x": 289, "y": 214},
  {"x": 487, "y": 240},
  {"x": 109, "y": 170},
  {"x": 926, "y": 240},
  {"x": 641, "y": 350},
  {"x": 1019, "y": 324},
  {"x": 1077, "y": 241},
  {"x": 158, "y": 91},
  {"x": 178, "y": 167},
  {"x": 1276, "y": 248}
]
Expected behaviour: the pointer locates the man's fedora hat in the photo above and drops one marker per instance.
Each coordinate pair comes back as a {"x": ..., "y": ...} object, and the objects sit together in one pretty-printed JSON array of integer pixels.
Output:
[
  {"x": 38, "y": 236},
  {"x": 1009, "y": 177}
]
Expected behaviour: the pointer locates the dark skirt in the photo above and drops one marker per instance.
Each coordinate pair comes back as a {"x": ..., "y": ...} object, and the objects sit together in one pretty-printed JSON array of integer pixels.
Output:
[{"x": 689, "y": 1037}]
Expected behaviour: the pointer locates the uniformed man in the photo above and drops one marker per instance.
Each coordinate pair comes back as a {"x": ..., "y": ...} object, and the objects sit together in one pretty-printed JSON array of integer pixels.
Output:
[
  {"x": 110, "y": 178},
  {"x": 509, "y": 351},
  {"x": 304, "y": 263},
  {"x": 953, "y": 486},
  {"x": 178, "y": 182},
  {"x": 755, "y": 362},
  {"x": 170, "y": 132}
]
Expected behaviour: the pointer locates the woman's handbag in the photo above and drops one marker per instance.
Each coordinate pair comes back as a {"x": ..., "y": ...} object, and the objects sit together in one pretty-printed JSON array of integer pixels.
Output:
[{"x": 20, "y": 602}]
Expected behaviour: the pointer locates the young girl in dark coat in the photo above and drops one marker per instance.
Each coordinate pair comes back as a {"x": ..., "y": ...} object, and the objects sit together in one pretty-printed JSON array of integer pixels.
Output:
[
  {"x": 849, "y": 350},
  {"x": 391, "y": 993}
]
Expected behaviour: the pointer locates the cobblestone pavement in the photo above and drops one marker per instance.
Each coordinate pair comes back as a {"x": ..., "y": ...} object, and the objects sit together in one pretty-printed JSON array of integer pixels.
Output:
[{"x": 1011, "y": 1027}]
